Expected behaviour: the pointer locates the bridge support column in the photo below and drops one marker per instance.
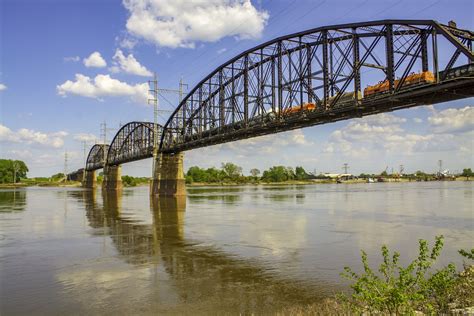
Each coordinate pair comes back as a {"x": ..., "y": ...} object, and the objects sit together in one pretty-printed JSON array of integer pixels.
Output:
[
  {"x": 89, "y": 181},
  {"x": 168, "y": 176},
  {"x": 112, "y": 178}
]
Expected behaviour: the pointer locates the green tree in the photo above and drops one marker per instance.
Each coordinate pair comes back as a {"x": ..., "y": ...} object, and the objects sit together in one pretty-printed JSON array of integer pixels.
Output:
[
  {"x": 215, "y": 175},
  {"x": 275, "y": 174},
  {"x": 129, "y": 181},
  {"x": 300, "y": 173},
  {"x": 231, "y": 171},
  {"x": 467, "y": 173},
  {"x": 12, "y": 170},
  {"x": 196, "y": 174}
]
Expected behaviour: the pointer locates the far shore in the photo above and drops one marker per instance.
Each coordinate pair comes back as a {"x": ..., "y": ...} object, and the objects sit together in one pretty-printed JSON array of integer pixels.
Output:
[{"x": 77, "y": 184}]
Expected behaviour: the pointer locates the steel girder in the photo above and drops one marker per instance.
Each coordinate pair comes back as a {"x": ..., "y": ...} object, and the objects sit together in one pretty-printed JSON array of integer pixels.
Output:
[
  {"x": 134, "y": 141},
  {"x": 97, "y": 156},
  {"x": 251, "y": 94}
]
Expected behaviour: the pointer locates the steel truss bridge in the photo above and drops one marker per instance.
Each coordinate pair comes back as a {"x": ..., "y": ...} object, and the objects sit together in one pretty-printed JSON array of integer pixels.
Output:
[{"x": 268, "y": 89}]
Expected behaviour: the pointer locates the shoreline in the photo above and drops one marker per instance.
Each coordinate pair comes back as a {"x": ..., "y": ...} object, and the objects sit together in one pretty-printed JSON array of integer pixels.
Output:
[{"x": 74, "y": 184}]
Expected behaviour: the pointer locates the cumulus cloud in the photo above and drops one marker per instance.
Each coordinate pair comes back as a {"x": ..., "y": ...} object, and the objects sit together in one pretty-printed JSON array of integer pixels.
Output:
[
  {"x": 384, "y": 133},
  {"x": 95, "y": 60},
  {"x": 103, "y": 86},
  {"x": 128, "y": 64},
  {"x": 453, "y": 120},
  {"x": 83, "y": 137},
  {"x": 221, "y": 51},
  {"x": 32, "y": 137},
  {"x": 267, "y": 144},
  {"x": 174, "y": 23},
  {"x": 3, "y": 87}
]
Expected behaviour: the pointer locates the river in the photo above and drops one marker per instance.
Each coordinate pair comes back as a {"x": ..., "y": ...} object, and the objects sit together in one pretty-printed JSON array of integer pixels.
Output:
[{"x": 245, "y": 249}]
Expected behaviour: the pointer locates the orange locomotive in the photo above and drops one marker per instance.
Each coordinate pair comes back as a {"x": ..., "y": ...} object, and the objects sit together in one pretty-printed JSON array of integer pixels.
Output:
[
  {"x": 298, "y": 108},
  {"x": 413, "y": 79}
]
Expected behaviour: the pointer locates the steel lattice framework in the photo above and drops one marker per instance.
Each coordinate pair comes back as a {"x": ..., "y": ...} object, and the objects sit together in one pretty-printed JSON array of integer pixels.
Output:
[
  {"x": 259, "y": 91},
  {"x": 308, "y": 78},
  {"x": 134, "y": 141},
  {"x": 96, "y": 158}
]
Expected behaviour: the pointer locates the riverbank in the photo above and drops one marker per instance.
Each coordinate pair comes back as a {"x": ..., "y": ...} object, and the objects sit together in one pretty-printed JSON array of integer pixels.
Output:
[
  {"x": 69, "y": 184},
  {"x": 77, "y": 184},
  {"x": 321, "y": 181}
]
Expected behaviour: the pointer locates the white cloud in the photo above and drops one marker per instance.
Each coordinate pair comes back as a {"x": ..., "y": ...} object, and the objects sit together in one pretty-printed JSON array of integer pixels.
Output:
[
  {"x": 3, "y": 87},
  {"x": 453, "y": 120},
  {"x": 89, "y": 138},
  {"x": 129, "y": 64},
  {"x": 383, "y": 134},
  {"x": 173, "y": 23},
  {"x": 32, "y": 137},
  {"x": 221, "y": 51},
  {"x": 95, "y": 60},
  {"x": 73, "y": 59},
  {"x": 383, "y": 119},
  {"x": 417, "y": 120},
  {"x": 102, "y": 86}
]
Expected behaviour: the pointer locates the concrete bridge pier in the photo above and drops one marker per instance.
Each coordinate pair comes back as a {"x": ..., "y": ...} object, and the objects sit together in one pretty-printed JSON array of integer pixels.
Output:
[
  {"x": 112, "y": 178},
  {"x": 168, "y": 176},
  {"x": 90, "y": 180}
]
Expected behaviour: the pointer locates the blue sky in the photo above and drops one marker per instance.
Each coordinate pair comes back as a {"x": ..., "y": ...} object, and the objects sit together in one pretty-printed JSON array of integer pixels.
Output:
[{"x": 67, "y": 66}]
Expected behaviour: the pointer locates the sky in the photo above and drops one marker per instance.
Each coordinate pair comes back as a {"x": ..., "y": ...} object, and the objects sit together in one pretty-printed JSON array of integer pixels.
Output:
[{"x": 67, "y": 66}]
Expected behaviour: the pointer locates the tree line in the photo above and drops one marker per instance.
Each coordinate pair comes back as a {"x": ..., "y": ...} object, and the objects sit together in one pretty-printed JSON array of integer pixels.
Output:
[{"x": 230, "y": 172}]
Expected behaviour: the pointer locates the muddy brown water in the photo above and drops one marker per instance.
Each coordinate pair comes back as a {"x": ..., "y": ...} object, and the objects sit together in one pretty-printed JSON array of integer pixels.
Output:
[{"x": 220, "y": 250}]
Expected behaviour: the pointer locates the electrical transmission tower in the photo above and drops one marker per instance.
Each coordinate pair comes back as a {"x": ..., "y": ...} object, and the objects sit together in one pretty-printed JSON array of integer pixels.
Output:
[
  {"x": 345, "y": 167},
  {"x": 155, "y": 92},
  {"x": 65, "y": 166},
  {"x": 103, "y": 136}
]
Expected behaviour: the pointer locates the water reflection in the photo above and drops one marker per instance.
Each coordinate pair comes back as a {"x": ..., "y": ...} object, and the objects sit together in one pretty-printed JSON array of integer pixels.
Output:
[
  {"x": 12, "y": 200},
  {"x": 199, "y": 273}
]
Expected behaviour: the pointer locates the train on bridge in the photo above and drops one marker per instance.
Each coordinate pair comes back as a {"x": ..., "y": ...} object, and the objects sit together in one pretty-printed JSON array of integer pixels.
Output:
[{"x": 303, "y": 79}]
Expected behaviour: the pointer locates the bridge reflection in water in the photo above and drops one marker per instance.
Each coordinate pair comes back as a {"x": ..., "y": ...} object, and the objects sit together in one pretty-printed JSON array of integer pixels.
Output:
[{"x": 202, "y": 276}]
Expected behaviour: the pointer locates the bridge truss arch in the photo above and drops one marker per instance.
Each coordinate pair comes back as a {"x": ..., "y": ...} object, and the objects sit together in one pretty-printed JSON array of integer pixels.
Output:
[
  {"x": 134, "y": 141},
  {"x": 97, "y": 156},
  {"x": 317, "y": 76}
]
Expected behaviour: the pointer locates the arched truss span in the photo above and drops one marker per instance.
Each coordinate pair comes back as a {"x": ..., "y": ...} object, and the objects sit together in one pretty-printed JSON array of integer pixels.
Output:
[
  {"x": 134, "y": 141},
  {"x": 96, "y": 158},
  {"x": 319, "y": 75}
]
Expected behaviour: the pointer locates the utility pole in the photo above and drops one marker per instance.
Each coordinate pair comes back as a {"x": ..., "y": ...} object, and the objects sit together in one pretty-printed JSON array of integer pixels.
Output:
[
  {"x": 345, "y": 167},
  {"x": 65, "y": 166}
]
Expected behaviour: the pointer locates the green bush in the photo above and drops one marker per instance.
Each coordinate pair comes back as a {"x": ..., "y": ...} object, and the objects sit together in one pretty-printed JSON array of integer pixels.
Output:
[{"x": 395, "y": 289}]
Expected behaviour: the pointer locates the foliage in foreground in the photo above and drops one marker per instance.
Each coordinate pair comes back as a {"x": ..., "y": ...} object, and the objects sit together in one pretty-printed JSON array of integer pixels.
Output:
[{"x": 395, "y": 289}]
